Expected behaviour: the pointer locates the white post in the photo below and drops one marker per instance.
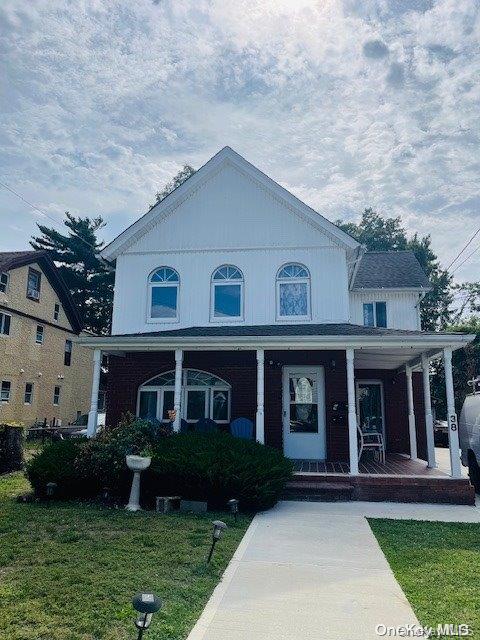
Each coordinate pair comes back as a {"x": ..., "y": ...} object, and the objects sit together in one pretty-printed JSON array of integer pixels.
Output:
[
  {"x": 260, "y": 425},
  {"x": 177, "y": 394},
  {"x": 452, "y": 416},
  {"x": 411, "y": 415},
  {"x": 93, "y": 413},
  {"x": 427, "y": 401},
  {"x": 352, "y": 413}
]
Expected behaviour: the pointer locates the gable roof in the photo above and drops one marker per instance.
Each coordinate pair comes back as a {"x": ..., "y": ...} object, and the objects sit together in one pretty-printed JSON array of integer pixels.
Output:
[
  {"x": 14, "y": 259},
  {"x": 390, "y": 270},
  {"x": 224, "y": 157}
]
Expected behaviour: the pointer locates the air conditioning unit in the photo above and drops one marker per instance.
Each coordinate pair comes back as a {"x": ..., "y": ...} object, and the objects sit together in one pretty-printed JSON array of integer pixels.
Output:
[{"x": 33, "y": 293}]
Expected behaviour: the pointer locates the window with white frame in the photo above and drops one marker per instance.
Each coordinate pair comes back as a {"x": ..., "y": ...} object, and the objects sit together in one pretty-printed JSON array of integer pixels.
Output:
[
  {"x": 375, "y": 314},
  {"x": 204, "y": 395},
  {"x": 5, "y": 320},
  {"x": 56, "y": 396},
  {"x": 56, "y": 311},
  {"x": 33, "y": 284},
  {"x": 5, "y": 391},
  {"x": 28, "y": 396},
  {"x": 227, "y": 293},
  {"x": 39, "y": 334},
  {"x": 293, "y": 292},
  {"x": 163, "y": 290},
  {"x": 3, "y": 282}
]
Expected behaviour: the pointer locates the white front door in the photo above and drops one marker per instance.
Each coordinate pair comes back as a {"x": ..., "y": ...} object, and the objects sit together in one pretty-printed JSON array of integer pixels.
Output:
[{"x": 304, "y": 412}]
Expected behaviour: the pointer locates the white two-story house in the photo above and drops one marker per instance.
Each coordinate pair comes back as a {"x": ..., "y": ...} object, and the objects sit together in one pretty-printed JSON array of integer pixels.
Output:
[{"x": 234, "y": 299}]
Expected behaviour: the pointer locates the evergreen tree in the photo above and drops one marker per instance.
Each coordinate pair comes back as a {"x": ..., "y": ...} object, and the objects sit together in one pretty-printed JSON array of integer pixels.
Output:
[{"x": 76, "y": 254}]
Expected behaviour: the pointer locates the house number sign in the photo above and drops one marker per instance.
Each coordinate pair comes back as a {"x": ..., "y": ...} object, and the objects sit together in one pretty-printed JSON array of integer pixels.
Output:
[{"x": 453, "y": 422}]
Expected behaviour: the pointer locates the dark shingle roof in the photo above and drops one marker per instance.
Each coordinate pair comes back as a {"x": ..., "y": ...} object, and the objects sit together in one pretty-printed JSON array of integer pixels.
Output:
[
  {"x": 12, "y": 259},
  {"x": 390, "y": 270},
  {"x": 276, "y": 330}
]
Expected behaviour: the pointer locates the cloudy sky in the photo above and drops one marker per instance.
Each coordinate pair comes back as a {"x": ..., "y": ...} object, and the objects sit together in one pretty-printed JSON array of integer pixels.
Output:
[{"x": 347, "y": 104}]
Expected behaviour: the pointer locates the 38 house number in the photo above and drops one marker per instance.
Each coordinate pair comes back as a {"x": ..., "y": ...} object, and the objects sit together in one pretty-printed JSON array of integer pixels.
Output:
[{"x": 453, "y": 422}]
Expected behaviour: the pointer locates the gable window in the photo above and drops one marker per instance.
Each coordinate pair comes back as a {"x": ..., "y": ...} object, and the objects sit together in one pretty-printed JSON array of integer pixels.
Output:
[
  {"x": 293, "y": 292},
  {"x": 227, "y": 293},
  {"x": 375, "y": 314},
  {"x": 204, "y": 396},
  {"x": 28, "y": 396},
  {"x": 5, "y": 321},
  {"x": 33, "y": 284},
  {"x": 5, "y": 391},
  {"x": 67, "y": 358},
  {"x": 3, "y": 282},
  {"x": 56, "y": 311},
  {"x": 56, "y": 396},
  {"x": 39, "y": 334},
  {"x": 163, "y": 285}
]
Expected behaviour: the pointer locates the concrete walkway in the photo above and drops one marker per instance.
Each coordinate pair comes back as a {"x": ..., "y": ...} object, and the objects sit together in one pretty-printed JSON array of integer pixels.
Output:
[{"x": 312, "y": 571}]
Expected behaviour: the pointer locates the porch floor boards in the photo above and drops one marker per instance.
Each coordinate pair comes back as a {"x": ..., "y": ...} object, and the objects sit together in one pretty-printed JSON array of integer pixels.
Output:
[{"x": 395, "y": 464}]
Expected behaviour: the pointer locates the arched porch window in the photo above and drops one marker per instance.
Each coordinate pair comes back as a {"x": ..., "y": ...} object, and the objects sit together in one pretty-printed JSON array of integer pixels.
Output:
[{"x": 204, "y": 395}]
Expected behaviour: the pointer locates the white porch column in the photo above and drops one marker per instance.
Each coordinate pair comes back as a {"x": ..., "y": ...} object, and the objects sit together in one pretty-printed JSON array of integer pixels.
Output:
[
  {"x": 427, "y": 401},
  {"x": 411, "y": 415},
  {"x": 352, "y": 413},
  {"x": 93, "y": 413},
  {"x": 260, "y": 426},
  {"x": 452, "y": 416},
  {"x": 177, "y": 394}
]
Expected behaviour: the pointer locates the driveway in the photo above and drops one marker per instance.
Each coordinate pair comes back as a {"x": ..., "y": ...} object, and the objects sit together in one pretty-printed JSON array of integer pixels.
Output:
[{"x": 309, "y": 571}]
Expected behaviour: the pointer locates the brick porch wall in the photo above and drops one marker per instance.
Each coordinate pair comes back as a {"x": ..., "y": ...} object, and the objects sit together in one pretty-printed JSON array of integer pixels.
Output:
[{"x": 238, "y": 368}]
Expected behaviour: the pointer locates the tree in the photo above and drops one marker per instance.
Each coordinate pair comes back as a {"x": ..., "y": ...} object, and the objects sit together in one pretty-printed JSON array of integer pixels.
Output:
[
  {"x": 387, "y": 234},
  {"x": 76, "y": 254},
  {"x": 466, "y": 366},
  {"x": 468, "y": 298},
  {"x": 183, "y": 175}
]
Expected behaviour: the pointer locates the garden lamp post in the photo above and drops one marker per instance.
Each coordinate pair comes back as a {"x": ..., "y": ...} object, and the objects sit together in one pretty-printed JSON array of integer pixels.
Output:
[
  {"x": 233, "y": 504},
  {"x": 146, "y": 604},
  {"x": 218, "y": 528}
]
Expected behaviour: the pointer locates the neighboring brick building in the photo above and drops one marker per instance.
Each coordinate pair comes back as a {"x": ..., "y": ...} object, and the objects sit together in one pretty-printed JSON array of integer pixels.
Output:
[{"x": 43, "y": 374}]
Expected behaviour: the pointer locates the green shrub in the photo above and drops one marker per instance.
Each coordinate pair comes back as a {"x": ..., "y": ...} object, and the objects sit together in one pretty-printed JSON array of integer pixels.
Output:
[
  {"x": 197, "y": 466},
  {"x": 56, "y": 462},
  {"x": 216, "y": 467}
]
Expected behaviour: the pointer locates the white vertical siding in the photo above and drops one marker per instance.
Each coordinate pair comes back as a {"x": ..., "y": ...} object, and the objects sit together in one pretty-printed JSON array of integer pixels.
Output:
[
  {"x": 403, "y": 310},
  {"x": 327, "y": 266}
]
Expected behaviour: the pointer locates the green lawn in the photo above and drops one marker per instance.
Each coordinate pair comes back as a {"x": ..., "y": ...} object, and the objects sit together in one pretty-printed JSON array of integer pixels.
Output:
[
  {"x": 438, "y": 566},
  {"x": 69, "y": 571}
]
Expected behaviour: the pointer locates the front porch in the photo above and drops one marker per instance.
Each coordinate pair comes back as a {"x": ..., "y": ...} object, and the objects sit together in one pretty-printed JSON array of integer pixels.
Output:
[
  {"x": 394, "y": 465},
  {"x": 301, "y": 391}
]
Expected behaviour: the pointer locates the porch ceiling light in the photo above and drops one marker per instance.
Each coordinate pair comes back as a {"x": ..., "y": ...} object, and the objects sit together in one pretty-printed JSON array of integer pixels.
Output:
[
  {"x": 233, "y": 504},
  {"x": 218, "y": 528},
  {"x": 146, "y": 604}
]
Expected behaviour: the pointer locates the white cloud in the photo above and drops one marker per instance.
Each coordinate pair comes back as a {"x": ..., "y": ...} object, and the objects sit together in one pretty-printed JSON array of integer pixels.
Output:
[{"x": 348, "y": 104}]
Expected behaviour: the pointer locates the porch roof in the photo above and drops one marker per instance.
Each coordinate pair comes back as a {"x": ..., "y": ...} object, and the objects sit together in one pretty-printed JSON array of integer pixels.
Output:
[{"x": 377, "y": 347}]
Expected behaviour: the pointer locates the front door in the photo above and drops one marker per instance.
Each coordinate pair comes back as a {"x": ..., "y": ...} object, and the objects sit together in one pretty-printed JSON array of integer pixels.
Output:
[{"x": 304, "y": 413}]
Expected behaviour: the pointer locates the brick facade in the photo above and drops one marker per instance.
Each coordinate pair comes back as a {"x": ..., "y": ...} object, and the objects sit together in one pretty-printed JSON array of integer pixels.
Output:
[{"x": 238, "y": 368}]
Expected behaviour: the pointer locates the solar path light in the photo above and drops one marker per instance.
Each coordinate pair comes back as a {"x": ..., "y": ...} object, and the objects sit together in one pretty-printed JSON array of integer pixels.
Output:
[
  {"x": 233, "y": 504},
  {"x": 218, "y": 528},
  {"x": 146, "y": 604}
]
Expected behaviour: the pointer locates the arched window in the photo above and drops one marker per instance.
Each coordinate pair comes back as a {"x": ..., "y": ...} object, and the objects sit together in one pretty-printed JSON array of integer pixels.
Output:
[
  {"x": 203, "y": 396},
  {"x": 293, "y": 292},
  {"x": 163, "y": 286},
  {"x": 227, "y": 293}
]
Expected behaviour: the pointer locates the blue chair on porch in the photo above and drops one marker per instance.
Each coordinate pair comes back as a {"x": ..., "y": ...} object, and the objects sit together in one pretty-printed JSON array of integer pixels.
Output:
[{"x": 242, "y": 428}]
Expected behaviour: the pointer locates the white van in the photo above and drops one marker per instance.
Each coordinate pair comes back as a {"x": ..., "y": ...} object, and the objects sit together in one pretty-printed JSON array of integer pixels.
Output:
[{"x": 469, "y": 434}]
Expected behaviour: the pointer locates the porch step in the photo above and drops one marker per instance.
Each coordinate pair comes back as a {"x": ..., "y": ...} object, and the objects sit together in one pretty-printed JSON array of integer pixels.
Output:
[{"x": 318, "y": 491}]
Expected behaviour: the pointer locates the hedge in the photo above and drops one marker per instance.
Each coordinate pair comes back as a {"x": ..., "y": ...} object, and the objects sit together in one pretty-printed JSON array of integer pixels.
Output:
[{"x": 197, "y": 466}]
